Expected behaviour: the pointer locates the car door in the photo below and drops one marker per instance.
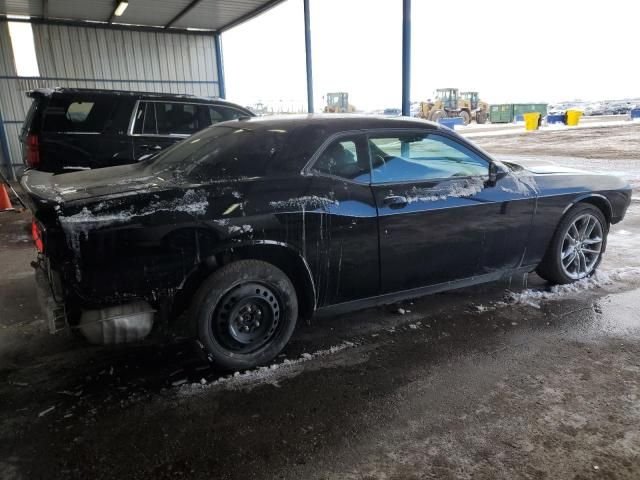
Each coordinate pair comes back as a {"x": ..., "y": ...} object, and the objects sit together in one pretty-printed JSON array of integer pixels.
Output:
[
  {"x": 440, "y": 218},
  {"x": 340, "y": 221}
]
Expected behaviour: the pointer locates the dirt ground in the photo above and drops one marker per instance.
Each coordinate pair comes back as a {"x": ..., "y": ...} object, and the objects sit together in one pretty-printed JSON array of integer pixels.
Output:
[
  {"x": 611, "y": 142},
  {"x": 508, "y": 380}
]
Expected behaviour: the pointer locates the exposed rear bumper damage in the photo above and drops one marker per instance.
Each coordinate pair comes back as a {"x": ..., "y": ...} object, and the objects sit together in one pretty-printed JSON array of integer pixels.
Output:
[
  {"x": 49, "y": 290},
  {"x": 109, "y": 325}
]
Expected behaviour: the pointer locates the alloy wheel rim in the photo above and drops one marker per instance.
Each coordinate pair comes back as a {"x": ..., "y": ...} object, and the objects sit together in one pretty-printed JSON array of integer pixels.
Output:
[{"x": 581, "y": 246}]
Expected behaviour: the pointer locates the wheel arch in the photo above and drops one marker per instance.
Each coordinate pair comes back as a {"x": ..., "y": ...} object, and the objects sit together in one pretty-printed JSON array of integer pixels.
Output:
[
  {"x": 279, "y": 254},
  {"x": 595, "y": 199}
]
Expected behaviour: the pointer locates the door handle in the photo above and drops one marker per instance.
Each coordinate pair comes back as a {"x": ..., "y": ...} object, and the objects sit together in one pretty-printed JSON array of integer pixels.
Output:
[
  {"x": 151, "y": 147},
  {"x": 395, "y": 201}
]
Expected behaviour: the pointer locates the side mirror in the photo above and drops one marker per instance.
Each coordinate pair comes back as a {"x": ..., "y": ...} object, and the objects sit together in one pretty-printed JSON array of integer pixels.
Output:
[{"x": 496, "y": 172}]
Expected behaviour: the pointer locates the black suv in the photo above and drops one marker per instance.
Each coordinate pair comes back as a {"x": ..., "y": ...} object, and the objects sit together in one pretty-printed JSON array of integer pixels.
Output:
[{"x": 70, "y": 129}]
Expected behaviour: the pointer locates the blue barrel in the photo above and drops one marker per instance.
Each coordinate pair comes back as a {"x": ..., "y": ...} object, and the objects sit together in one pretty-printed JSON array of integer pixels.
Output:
[
  {"x": 451, "y": 122},
  {"x": 519, "y": 118},
  {"x": 635, "y": 113},
  {"x": 556, "y": 118}
]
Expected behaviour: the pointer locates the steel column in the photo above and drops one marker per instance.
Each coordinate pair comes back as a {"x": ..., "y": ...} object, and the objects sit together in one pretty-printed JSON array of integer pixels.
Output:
[
  {"x": 220, "y": 65},
  {"x": 406, "y": 57},
  {"x": 4, "y": 151},
  {"x": 307, "y": 47}
]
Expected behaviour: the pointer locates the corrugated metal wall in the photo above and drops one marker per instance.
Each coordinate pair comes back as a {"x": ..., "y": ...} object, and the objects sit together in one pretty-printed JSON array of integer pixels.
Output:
[{"x": 85, "y": 57}]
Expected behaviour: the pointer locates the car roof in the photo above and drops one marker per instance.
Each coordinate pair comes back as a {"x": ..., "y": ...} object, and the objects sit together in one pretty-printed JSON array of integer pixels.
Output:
[
  {"x": 332, "y": 122},
  {"x": 47, "y": 92}
]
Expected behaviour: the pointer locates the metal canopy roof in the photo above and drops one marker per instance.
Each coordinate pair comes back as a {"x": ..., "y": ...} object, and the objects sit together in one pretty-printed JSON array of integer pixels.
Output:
[{"x": 214, "y": 15}]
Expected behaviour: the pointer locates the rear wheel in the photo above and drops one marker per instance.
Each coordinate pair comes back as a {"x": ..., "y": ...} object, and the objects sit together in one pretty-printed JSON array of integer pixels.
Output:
[
  {"x": 577, "y": 246},
  {"x": 466, "y": 117},
  {"x": 481, "y": 117},
  {"x": 437, "y": 115},
  {"x": 244, "y": 314}
]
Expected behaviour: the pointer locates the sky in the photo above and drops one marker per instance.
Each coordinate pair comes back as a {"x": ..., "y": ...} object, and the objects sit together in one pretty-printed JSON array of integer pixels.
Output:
[{"x": 509, "y": 51}]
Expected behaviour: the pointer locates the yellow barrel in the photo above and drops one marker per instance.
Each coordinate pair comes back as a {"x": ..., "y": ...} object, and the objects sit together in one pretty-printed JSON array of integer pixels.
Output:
[
  {"x": 531, "y": 120},
  {"x": 573, "y": 117}
]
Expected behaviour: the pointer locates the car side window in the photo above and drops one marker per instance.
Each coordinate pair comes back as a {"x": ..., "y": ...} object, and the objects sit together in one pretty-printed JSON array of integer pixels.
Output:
[
  {"x": 422, "y": 156},
  {"x": 177, "y": 118},
  {"x": 342, "y": 159},
  {"x": 145, "y": 119},
  {"x": 170, "y": 118}
]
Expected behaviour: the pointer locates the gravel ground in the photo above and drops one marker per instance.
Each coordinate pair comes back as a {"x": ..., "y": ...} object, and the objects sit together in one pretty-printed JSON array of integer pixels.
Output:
[{"x": 508, "y": 380}]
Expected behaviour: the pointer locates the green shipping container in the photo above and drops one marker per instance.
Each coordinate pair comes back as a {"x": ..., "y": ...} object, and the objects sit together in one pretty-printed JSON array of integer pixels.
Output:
[
  {"x": 507, "y": 112},
  {"x": 522, "y": 108},
  {"x": 501, "y": 113}
]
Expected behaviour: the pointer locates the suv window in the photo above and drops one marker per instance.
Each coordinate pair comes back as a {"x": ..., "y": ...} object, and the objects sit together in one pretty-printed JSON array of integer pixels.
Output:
[
  {"x": 420, "y": 156},
  {"x": 342, "y": 159},
  {"x": 170, "y": 118},
  {"x": 64, "y": 114}
]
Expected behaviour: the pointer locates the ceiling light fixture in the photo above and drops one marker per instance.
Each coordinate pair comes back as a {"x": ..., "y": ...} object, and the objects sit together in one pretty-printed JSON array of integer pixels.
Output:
[{"x": 122, "y": 6}]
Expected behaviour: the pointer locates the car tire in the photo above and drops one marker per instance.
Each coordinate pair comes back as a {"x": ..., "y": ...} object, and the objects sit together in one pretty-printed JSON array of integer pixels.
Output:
[
  {"x": 436, "y": 115},
  {"x": 574, "y": 254},
  {"x": 244, "y": 314}
]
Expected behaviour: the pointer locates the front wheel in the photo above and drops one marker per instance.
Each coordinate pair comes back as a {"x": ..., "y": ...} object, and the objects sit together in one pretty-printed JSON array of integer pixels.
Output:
[
  {"x": 244, "y": 314},
  {"x": 577, "y": 246}
]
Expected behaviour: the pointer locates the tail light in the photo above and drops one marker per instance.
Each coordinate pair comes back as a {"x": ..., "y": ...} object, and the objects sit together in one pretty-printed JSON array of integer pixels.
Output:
[
  {"x": 37, "y": 236},
  {"x": 33, "y": 151}
]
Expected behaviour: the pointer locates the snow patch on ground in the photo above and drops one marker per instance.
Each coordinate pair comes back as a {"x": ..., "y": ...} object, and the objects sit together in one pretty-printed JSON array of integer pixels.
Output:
[
  {"x": 269, "y": 374},
  {"x": 600, "y": 279}
]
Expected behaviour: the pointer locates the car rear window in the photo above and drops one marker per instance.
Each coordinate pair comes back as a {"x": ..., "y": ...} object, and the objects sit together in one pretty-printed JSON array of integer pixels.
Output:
[
  {"x": 222, "y": 151},
  {"x": 73, "y": 114}
]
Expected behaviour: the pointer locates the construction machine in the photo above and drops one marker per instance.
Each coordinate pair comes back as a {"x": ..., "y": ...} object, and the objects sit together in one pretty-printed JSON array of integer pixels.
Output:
[
  {"x": 450, "y": 103},
  {"x": 338, "y": 102},
  {"x": 470, "y": 102}
]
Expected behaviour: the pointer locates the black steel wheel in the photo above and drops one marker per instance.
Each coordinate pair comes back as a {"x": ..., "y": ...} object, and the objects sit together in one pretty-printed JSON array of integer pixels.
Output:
[
  {"x": 577, "y": 245},
  {"x": 244, "y": 314},
  {"x": 247, "y": 317}
]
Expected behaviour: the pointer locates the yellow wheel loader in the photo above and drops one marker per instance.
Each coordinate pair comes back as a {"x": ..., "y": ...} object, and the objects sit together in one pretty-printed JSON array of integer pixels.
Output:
[
  {"x": 449, "y": 103},
  {"x": 338, "y": 102}
]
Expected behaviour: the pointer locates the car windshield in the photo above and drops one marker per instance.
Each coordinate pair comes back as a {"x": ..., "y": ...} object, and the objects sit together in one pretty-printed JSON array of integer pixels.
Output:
[{"x": 220, "y": 151}]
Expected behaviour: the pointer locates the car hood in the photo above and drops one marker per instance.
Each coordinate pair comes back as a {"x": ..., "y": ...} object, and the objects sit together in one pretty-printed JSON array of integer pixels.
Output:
[{"x": 542, "y": 167}]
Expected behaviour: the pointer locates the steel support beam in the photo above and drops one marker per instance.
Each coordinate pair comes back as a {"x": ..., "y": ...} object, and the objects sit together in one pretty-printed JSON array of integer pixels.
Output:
[
  {"x": 113, "y": 13},
  {"x": 5, "y": 154},
  {"x": 220, "y": 65},
  {"x": 307, "y": 47},
  {"x": 182, "y": 13},
  {"x": 406, "y": 57}
]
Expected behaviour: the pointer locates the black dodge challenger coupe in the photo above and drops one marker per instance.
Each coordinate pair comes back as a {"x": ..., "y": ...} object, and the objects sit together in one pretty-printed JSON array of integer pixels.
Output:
[{"x": 234, "y": 233}]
